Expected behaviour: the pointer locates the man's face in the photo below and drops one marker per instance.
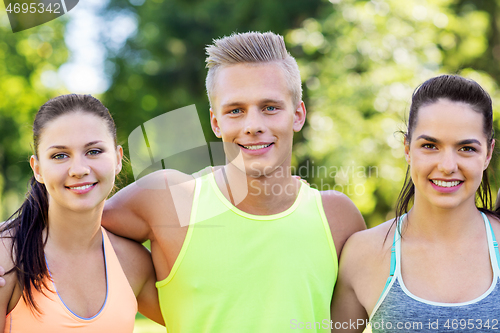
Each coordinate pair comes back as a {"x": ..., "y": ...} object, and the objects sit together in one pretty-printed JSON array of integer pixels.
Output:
[{"x": 253, "y": 113}]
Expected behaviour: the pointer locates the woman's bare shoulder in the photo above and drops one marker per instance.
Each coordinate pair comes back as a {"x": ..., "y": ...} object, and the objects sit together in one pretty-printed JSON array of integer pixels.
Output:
[
  {"x": 134, "y": 258},
  {"x": 495, "y": 224},
  {"x": 368, "y": 249},
  {"x": 373, "y": 240}
]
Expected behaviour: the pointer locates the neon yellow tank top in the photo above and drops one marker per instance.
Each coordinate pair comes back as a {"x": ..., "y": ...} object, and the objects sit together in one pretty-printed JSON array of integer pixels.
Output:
[{"x": 238, "y": 272}]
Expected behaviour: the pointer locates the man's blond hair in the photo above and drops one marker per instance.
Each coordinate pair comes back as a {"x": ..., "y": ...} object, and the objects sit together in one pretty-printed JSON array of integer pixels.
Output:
[{"x": 252, "y": 48}]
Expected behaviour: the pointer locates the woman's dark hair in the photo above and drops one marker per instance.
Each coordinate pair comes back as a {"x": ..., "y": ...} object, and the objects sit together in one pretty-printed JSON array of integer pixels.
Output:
[
  {"x": 26, "y": 226},
  {"x": 456, "y": 89}
]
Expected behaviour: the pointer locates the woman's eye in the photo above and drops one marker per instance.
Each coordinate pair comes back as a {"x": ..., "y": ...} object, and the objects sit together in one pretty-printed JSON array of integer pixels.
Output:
[
  {"x": 59, "y": 156},
  {"x": 469, "y": 149},
  {"x": 94, "y": 152}
]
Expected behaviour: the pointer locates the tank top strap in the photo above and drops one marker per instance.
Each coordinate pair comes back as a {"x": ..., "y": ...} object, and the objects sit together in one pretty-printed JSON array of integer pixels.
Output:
[
  {"x": 395, "y": 259},
  {"x": 492, "y": 245}
]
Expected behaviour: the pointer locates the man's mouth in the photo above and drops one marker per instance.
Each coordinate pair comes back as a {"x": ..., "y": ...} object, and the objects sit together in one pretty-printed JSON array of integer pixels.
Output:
[{"x": 256, "y": 147}]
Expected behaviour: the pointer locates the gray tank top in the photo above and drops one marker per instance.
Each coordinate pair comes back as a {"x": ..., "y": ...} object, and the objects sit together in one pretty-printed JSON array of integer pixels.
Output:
[{"x": 398, "y": 310}]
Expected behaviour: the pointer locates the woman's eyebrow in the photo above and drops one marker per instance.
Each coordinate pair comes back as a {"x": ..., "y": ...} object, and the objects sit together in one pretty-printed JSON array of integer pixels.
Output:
[
  {"x": 462, "y": 142},
  {"x": 469, "y": 141},
  {"x": 427, "y": 138},
  {"x": 64, "y": 147}
]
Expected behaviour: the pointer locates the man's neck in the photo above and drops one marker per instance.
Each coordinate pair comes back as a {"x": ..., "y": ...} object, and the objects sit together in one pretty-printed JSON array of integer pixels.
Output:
[{"x": 263, "y": 195}]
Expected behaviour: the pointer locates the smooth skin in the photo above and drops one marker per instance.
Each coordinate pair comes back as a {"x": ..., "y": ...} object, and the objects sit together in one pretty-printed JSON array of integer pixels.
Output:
[
  {"x": 77, "y": 149},
  {"x": 445, "y": 254},
  {"x": 251, "y": 106}
]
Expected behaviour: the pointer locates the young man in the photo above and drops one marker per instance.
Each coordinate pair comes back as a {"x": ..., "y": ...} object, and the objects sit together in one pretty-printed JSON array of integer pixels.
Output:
[{"x": 260, "y": 251}]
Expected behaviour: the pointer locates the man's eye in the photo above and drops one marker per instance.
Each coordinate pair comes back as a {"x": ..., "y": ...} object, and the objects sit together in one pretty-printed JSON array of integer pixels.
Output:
[
  {"x": 235, "y": 111},
  {"x": 270, "y": 108}
]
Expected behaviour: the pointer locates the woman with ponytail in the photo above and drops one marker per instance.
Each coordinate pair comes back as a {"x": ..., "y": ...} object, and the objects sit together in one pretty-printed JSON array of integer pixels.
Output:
[
  {"x": 63, "y": 269},
  {"x": 435, "y": 267}
]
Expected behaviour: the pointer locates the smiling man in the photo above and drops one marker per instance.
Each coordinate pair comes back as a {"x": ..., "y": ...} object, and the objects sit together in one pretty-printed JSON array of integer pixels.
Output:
[{"x": 261, "y": 248}]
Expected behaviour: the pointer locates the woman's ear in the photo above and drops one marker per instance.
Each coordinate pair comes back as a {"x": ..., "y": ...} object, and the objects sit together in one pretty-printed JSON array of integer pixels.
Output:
[
  {"x": 35, "y": 166},
  {"x": 407, "y": 150},
  {"x": 490, "y": 154},
  {"x": 119, "y": 158}
]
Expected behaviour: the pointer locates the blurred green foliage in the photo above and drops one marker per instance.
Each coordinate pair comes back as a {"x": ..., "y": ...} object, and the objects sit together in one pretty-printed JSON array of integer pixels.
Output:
[
  {"x": 369, "y": 56},
  {"x": 359, "y": 61},
  {"x": 27, "y": 59},
  {"x": 162, "y": 67}
]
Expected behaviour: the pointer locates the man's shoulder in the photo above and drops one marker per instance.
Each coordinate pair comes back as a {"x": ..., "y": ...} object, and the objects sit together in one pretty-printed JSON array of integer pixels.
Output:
[
  {"x": 154, "y": 199},
  {"x": 338, "y": 206},
  {"x": 344, "y": 218},
  {"x": 162, "y": 179},
  {"x": 334, "y": 197}
]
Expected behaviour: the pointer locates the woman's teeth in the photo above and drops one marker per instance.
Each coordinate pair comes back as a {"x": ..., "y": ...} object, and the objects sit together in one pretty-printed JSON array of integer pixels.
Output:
[
  {"x": 442, "y": 183},
  {"x": 81, "y": 187}
]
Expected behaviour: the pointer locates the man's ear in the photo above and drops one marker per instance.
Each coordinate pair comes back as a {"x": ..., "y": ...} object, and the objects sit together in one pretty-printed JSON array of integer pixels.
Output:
[
  {"x": 35, "y": 166},
  {"x": 215, "y": 124},
  {"x": 299, "y": 117}
]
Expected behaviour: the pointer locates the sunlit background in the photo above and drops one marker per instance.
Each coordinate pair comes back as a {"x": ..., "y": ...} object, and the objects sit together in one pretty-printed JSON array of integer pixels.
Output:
[{"x": 359, "y": 61}]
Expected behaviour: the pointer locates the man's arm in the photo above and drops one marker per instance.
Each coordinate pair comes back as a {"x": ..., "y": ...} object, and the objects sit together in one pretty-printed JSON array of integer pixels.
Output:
[
  {"x": 124, "y": 216},
  {"x": 137, "y": 208},
  {"x": 343, "y": 217}
]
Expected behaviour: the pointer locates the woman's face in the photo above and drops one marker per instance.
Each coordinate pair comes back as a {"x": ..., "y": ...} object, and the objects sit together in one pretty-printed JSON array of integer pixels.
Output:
[
  {"x": 447, "y": 154},
  {"x": 77, "y": 161}
]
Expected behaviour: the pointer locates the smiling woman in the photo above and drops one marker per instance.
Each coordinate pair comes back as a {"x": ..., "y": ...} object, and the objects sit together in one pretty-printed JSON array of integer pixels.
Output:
[
  {"x": 87, "y": 163},
  {"x": 447, "y": 166},
  {"x": 441, "y": 271},
  {"x": 65, "y": 270}
]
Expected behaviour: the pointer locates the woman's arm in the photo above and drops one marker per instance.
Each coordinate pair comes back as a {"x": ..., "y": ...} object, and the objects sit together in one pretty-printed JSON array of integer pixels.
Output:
[
  {"x": 7, "y": 299},
  {"x": 348, "y": 314},
  {"x": 363, "y": 271},
  {"x": 137, "y": 265}
]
